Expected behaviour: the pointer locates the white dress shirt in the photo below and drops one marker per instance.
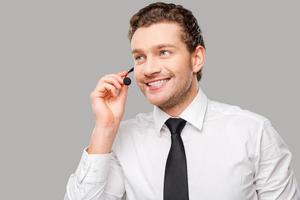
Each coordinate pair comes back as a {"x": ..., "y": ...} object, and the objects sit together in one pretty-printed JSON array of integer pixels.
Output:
[{"x": 232, "y": 154}]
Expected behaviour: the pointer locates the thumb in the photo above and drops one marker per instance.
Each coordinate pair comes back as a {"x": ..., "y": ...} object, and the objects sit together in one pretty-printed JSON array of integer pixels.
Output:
[{"x": 124, "y": 91}]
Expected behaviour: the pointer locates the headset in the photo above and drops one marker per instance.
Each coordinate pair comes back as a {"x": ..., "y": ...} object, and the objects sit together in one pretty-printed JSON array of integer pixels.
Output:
[{"x": 127, "y": 80}]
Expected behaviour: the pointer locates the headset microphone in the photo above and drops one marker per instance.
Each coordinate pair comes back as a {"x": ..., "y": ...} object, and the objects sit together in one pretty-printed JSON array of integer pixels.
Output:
[{"x": 127, "y": 80}]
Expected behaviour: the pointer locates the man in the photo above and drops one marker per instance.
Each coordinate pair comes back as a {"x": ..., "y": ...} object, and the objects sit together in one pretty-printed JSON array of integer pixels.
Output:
[{"x": 189, "y": 147}]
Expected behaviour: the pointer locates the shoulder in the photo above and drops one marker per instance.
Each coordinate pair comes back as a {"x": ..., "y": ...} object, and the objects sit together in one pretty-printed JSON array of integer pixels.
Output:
[
  {"x": 136, "y": 124},
  {"x": 140, "y": 120},
  {"x": 223, "y": 111},
  {"x": 129, "y": 129},
  {"x": 236, "y": 119},
  {"x": 241, "y": 125}
]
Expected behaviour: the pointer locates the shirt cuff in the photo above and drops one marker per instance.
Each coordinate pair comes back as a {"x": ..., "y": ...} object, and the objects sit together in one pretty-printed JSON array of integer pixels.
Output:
[{"x": 93, "y": 168}]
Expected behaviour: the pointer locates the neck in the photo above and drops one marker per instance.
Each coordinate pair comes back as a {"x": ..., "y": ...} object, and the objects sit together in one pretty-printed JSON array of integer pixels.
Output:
[{"x": 180, "y": 107}]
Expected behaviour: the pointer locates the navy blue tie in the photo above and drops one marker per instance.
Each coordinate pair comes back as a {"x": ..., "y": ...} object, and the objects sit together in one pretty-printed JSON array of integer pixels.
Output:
[{"x": 176, "y": 181}]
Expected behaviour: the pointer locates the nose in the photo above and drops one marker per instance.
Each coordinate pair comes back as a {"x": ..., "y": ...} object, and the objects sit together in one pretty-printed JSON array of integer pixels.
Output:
[{"x": 151, "y": 67}]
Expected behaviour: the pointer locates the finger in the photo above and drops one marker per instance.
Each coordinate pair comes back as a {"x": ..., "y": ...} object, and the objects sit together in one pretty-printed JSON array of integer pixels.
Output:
[
  {"x": 123, "y": 73},
  {"x": 117, "y": 77},
  {"x": 109, "y": 79},
  {"x": 124, "y": 90},
  {"x": 113, "y": 80},
  {"x": 106, "y": 87}
]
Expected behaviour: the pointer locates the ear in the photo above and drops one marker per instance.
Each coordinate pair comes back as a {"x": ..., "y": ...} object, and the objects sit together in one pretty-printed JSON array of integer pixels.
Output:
[{"x": 198, "y": 58}]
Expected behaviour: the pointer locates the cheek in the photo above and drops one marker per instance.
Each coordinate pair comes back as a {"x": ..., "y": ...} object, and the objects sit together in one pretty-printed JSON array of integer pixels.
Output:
[
  {"x": 181, "y": 64},
  {"x": 182, "y": 70},
  {"x": 138, "y": 76}
]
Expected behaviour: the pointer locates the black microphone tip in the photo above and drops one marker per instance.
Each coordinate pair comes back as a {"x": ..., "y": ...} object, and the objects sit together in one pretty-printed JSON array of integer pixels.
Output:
[{"x": 127, "y": 81}]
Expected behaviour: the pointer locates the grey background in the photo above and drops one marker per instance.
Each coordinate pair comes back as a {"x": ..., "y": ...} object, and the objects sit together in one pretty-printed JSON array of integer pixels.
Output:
[{"x": 52, "y": 53}]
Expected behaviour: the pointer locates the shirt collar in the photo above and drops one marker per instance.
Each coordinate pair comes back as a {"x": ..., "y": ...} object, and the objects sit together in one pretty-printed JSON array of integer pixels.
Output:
[{"x": 193, "y": 114}]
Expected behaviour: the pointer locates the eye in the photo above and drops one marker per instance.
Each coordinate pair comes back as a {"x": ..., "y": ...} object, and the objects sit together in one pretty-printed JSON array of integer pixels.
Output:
[
  {"x": 165, "y": 53},
  {"x": 138, "y": 58}
]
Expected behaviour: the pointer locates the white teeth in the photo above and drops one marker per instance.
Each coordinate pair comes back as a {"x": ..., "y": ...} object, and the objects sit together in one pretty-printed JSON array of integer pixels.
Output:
[{"x": 157, "y": 83}]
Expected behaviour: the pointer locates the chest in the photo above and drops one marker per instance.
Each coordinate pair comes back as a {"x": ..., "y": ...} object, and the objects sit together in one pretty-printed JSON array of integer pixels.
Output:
[{"x": 218, "y": 167}]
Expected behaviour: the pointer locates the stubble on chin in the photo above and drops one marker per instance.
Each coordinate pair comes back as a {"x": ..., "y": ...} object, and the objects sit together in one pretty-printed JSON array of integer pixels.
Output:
[{"x": 177, "y": 98}]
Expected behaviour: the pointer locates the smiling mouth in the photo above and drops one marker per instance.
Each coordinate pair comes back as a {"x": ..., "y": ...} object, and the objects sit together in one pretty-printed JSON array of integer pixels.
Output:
[{"x": 157, "y": 84}]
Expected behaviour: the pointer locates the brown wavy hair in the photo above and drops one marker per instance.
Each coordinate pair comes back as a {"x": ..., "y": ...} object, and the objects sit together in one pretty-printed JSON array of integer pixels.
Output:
[{"x": 169, "y": 12}]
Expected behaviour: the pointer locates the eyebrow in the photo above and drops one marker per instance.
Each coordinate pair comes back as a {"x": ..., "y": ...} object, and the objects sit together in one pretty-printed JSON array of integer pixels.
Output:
[{"x": 160, "y": 46}]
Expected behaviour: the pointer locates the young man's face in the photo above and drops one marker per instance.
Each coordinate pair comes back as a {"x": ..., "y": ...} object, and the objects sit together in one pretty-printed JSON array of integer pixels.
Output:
[{"x": 164, "y": 69}]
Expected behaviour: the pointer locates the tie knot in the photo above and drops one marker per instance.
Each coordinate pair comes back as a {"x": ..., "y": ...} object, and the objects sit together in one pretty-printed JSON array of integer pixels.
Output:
[{"x": 175, "y": 125}]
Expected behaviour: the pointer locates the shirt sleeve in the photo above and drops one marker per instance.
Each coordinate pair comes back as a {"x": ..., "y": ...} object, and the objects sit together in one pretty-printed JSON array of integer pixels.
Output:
[
  {"x": 274, "y": 177},
  {"x": 97, "y": 177}
]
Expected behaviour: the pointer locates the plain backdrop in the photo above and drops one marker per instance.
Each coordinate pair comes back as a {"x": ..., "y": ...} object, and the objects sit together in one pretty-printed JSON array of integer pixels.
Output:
[{"x": 52, "y": 54}]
